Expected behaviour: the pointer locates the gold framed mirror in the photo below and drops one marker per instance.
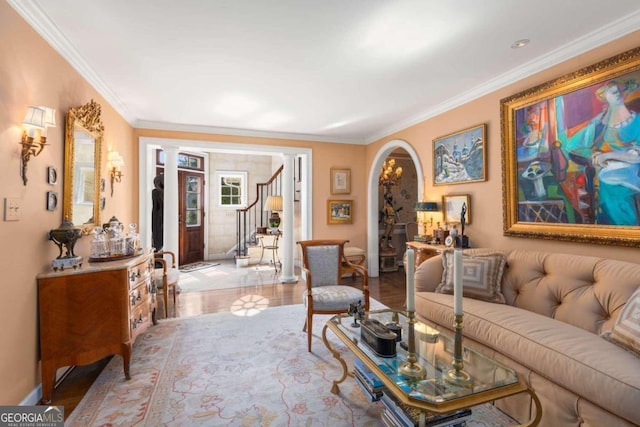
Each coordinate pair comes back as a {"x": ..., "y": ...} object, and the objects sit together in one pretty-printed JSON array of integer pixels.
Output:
[{"x": 82, "y": 155}]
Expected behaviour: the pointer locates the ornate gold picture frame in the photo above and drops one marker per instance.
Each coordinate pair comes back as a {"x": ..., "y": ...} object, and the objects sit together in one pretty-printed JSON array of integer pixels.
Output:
[{"x": 571, "y": 156}]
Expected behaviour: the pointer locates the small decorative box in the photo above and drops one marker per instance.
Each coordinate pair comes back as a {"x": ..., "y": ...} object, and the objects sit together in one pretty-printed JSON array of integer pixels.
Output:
[{"x": 377, "y": 336}]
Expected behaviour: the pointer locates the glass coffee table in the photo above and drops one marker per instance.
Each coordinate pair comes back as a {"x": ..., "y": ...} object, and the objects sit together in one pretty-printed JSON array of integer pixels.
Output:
[{"x": 489, "y": 379}]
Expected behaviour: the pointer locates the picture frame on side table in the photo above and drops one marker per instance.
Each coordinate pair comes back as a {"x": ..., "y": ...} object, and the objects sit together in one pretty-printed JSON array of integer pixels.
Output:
[
  {"x": 340, "y": 181},
  {"x": 460, "y": 157},
  {"x": 571, "y": 158},
  {"x": 452, "y": 207},
  {"x": 340, "y": 211}
]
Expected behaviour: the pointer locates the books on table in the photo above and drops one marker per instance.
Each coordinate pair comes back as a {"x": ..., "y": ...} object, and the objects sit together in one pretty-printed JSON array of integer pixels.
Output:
[{"x": 397, "y": 414}]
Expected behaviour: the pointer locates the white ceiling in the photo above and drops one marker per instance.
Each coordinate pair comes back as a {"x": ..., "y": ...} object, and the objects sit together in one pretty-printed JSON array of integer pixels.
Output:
[{"x": 332, "y": 70}]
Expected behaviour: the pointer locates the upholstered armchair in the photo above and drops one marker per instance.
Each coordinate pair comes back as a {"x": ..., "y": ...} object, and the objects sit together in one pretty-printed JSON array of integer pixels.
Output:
[
  {"x": 166, "y": 277},
  {"x": 323, "y": 262}
]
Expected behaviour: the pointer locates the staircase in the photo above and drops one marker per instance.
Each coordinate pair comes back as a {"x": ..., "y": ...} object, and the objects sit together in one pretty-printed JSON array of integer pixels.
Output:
[{"x": 253, "y": 216}]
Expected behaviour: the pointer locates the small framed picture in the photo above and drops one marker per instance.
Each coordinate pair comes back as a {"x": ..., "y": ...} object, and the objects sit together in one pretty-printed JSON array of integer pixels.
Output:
[
  {"x": 52, "y": 200},
  {"x": 340, "y": 211},
  {"x": 340, "y": 181},
  {"x": 52, "y": 175},
  {"x": 452, "y": 208}
]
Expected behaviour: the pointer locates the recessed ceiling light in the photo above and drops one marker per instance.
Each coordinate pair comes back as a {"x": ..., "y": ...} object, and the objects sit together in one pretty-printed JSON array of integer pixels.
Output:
[{"x": 520, "y": 43}]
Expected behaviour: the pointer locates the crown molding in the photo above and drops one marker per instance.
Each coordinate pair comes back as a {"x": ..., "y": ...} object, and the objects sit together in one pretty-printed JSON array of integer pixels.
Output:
[
  {"x": 147, "y": 124},
  {"x": 596, "y": 38},
  {"x": 40, "y": 21}
]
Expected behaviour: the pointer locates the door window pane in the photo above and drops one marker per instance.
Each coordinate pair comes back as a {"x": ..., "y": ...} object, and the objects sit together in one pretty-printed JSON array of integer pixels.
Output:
[{"x": 193, "y": 201}]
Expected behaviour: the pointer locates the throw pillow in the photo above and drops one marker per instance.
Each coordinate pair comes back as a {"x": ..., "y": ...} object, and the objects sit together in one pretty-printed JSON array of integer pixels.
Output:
[
  {"x": 626, "y": 330},
  {"x": 481, "y": 275}
]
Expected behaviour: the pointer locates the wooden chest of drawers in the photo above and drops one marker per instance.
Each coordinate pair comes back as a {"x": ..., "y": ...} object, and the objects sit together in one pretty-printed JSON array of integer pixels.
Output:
[{"x": 93, "y": 312}]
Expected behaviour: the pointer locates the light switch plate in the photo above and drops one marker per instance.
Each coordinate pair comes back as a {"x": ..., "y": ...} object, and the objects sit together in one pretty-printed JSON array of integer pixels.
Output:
[{"x": 12, "y": 209}]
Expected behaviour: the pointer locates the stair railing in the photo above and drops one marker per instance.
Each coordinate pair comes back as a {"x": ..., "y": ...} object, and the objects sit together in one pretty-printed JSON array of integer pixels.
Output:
[{"x": 249, "y": 219}]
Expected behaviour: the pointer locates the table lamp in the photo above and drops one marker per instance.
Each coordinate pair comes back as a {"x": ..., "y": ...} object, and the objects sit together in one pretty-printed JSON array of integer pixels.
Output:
[
  {"x": 274, "y": 204},
  {"x": 425, "y": 207}
]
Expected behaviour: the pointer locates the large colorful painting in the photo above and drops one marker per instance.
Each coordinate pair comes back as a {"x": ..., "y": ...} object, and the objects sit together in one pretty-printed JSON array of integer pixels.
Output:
[
  {"x": 571, "y": 147},
  {"x": 460, "y": 157}
]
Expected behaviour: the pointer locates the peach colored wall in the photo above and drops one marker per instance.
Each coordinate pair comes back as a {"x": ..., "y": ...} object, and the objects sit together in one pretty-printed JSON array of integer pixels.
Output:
[
  {"x": 325, "y": 156},
  {"x": 486, "y": 197},
  {"x": 32, "y": 73}
]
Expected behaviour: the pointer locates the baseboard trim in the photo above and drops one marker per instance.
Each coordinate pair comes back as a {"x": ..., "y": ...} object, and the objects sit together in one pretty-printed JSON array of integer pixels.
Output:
[{"x": 33, "y": 398}]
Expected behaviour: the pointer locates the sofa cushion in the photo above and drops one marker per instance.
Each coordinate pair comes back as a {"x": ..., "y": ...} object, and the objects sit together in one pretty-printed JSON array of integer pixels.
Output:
[
  {"x": 626, "y": 330},
  {"x": 481, "y": 278},
  {"x": 580, "y": 361}
]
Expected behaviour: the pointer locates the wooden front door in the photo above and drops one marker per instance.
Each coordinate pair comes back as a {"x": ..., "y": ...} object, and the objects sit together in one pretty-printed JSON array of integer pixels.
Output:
[{"x": 191, "y": 216}]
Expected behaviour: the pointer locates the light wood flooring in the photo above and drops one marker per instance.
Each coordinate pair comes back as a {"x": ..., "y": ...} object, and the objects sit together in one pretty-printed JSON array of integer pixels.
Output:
[{"x": 388, "y": 288}]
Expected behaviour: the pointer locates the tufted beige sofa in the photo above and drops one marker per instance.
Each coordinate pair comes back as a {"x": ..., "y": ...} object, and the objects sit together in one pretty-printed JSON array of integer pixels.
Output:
[{"x": 548, "y": 330}]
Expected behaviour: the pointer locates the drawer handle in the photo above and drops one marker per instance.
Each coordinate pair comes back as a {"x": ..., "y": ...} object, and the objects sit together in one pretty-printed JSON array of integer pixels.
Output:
[
  {"x": 135, "y": 299},
  {"x": 136, "y": 322},
  {"x": 134, "y": 275}
]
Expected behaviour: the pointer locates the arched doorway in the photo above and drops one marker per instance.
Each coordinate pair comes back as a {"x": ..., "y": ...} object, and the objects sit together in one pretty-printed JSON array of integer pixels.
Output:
[{"x": 373, "y": 203}]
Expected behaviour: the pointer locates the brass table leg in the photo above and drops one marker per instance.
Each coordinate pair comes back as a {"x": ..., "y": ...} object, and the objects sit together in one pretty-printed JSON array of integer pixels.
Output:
[
  {"x": 536, "y": 420},
  {"x": 335, "y": 389}
]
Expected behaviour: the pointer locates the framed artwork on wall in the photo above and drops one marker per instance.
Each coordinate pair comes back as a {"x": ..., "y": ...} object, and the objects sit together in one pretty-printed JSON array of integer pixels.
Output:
[
  {"x": 460, "y": 157},
  {"x": 52, "y": 175},
  {"x": 340, "y": 181},
  {"x": 571, "y": 156},
  {"x": 340, "y": 211},
  {"x": 52, "y": 200},
  {"x": 452, "y": 208}
]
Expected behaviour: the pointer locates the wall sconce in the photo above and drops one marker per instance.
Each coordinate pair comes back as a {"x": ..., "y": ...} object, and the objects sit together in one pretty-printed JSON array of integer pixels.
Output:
[
  {"x": 425, "y": 207},
  {"x": 36, "y": 119},
  {"x": 115, "y": 163}
]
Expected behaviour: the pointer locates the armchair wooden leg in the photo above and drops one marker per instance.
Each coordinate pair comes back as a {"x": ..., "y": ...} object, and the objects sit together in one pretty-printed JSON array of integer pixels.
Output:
[
  {"x": 175, "y": 291},
  {"x": 165, "y": 292},
  {"x": 309, "y": 330}
]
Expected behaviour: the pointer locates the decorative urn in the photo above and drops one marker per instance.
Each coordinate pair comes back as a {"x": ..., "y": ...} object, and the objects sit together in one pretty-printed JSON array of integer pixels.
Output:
[{"x": 66, "y": 236}]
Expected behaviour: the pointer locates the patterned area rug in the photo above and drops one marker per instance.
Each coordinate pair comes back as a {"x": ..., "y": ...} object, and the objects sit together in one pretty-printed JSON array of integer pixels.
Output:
[
  {"x": 197, "y": 266},
  {"x": 250, "y": 368}
]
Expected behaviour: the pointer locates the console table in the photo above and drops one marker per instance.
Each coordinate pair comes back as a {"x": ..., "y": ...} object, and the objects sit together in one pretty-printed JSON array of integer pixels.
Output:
[
  {"x": 424, "y": 251},
  {"x": 93, "y": 312}
]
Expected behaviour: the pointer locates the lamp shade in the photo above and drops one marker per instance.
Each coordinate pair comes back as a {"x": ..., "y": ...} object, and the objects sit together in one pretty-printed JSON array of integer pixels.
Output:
[
  {"x": 49, "y": 116},
  {"x": 115, "y": 160},
  {"x": 425, "y": 207},
  {"x": 273, "y": 203},
  {"x": 34, "y": 117}
]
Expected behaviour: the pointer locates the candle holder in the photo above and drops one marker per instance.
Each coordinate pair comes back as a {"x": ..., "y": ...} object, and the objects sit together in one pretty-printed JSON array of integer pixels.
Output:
[
  {"x": 457, "y": 376},
  {"x": 411, "y": 368}
]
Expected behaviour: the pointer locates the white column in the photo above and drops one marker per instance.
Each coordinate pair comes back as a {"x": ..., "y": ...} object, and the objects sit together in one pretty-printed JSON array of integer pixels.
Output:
[
  {"x": 171, "y": 238},
  {"x": 288, "y": 247}
]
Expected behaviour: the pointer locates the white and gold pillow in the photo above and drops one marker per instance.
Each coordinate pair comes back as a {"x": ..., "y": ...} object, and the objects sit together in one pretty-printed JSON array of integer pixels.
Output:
[
  {"x": 626, "y": 330},
  {"x": 481, "y": 275}
]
